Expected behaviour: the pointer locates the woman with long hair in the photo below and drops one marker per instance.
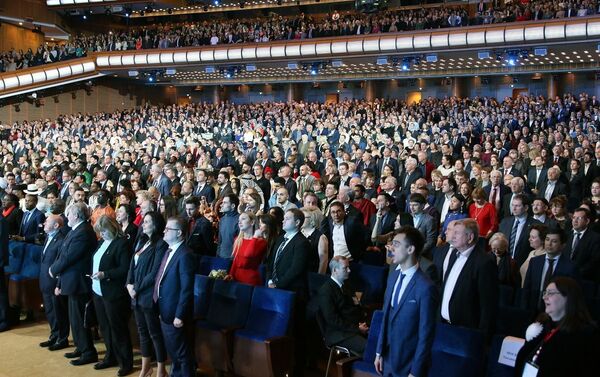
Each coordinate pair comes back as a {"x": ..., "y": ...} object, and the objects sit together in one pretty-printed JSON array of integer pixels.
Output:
[
  {"x": 249, "y": 250},
  {"x": 149, "y": 252},
  {"x": 168, "y": 207},
  {"x": 537, "y": 235},
  {"x": 564, "y": 339}
]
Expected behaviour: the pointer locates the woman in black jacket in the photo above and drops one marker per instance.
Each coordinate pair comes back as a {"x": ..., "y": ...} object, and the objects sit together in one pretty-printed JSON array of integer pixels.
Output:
[
  {"x": 564, "y": 341},
  {"x": 125, "y": 216},
  {"x": 109, "y": 272},
  {"x": 143, "y": 268}
]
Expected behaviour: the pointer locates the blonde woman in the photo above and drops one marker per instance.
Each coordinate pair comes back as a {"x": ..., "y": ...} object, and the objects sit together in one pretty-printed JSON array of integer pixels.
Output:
[{"x": 249, "y": 250}]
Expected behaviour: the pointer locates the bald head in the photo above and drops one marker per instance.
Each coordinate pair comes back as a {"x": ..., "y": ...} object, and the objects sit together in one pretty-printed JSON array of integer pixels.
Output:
[{"x": 53, "y": 223}]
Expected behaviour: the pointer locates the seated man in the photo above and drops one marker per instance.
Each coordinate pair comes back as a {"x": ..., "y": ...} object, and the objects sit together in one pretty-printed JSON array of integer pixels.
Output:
[{"x": 341, "y": 316}]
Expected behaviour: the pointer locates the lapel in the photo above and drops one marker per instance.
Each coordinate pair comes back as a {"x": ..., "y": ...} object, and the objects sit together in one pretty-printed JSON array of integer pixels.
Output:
[
  {"x": 407, "y": 292},
  {"x": 284, "y": 250},
  {"x": 108, "y": 251},
  {"x": 539, "y": 268},
  {"x": 51, "y": 244},
  {"x": 172, "y": 261}
]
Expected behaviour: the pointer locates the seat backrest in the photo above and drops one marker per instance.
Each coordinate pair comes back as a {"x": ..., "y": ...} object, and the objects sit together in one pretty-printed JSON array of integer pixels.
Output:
[
  {"x": 494, "y": 368},
  {"x": 512, "y": 320},
  {"x": 371, "y": 280},
  {"x": 202, "y": 292},
  {"x": 457, "y": 351},
  {"x": 16, "y": 254},
  {"x": 207, "y": 264},
  {"x": 31, "y": 261},
  {"x": 271, "y": 312},
  {"x": 374, "y": 330},
  {"x": 229, "y": 304},
  {"x": 315, "y": 281}
]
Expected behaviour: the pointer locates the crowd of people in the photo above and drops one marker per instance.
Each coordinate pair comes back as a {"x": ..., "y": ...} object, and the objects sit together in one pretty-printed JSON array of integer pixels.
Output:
[
  {"x": 461, "y": 195},
  {"x": 276, "y": 27}
]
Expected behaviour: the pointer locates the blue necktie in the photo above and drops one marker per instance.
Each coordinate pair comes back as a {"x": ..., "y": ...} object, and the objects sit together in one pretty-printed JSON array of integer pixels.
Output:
[{"x": 396, "y": 297}]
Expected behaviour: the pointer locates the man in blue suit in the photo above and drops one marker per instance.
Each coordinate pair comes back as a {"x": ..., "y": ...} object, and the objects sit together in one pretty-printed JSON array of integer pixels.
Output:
[
  {"x": 409, "y": 316},
  {"x": 173, "y": 292},
  {"x": 55, "y": 306},
  {"x": 32, "y": 220}
]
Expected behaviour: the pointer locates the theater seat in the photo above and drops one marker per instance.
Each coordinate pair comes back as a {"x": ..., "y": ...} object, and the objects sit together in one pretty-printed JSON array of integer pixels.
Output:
[
  {"x": 512, "y": 321},
  {"x": 207, "y": 264},
  {"x": 228, "y": 310},
  {"x": 315, "y": 281},
  {"x": 16, "y": 253},
  {"x": 23, "y": 284},
  {"x": 202, "y": 290},
  {"x": 494, "y": 368},
  {"x": 370, "y": 280},
  {"x": 263, "y": 348},
  {"x": 457, "y": 352},
  {"x": 362, "y": 367}
]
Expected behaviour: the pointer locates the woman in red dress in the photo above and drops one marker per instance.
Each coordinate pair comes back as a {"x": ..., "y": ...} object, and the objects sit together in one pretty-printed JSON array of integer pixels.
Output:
[
  {"x": 249, "y": 250},
  {"x": 484, "y": 213}
]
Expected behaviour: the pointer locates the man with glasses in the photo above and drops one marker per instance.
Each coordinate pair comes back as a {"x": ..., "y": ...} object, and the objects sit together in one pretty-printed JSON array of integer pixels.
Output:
[
  {"x": 544, "y": 267},
  {"x": 173, "y": 292}
]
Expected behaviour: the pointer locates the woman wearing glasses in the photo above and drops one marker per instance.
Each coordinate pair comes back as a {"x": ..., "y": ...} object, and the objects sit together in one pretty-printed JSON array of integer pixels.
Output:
[
  {"x": 564, "y": 341},
  {"x": 149, "y": 252}
]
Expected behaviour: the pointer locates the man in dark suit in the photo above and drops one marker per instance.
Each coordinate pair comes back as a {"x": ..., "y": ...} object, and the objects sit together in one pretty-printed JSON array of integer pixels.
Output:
[
  {"x": 200, "y": 235},
  {"x": 224, "y": 186},
  {"x": 423, "y": 222},
  {"x": 582, "y": 246},
  {"x": 55, "y": 306},
  {"x": 508, "y": 168},
  {"x": 387, "y": 159},
  {"x": 346, "y": 234},
  {"x": 32, "y": 222},
  {"x": 553, "y": 186},
  {"x": 383, "y": 221},
  {"x": 539, "y": 208},
  {"x": 543, "y": 267},
  {"x": 263, "y": 183},
  {"x": 470, "y": 281},
  {"x": 203, "y": 189},
  {"x": 496, "y": 190},
  {"x": 219, "y": 161},
  {"x": 3, "y": 287},
  {"x": 173, "y": 293},
  {"x": 517, "y": 187},
  {"x": 516, "y": 229},
  {"x": 160, "y": 180},
  {"x": 537, "y": 175},
  {"x": 73, "y": 264},
  {"x": 409, "y": 311},
  {"x": 342, "y": 319}
]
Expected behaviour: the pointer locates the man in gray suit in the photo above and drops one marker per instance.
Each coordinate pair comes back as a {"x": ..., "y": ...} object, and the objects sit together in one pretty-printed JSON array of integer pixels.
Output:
[{"x": 424, "y": 222}]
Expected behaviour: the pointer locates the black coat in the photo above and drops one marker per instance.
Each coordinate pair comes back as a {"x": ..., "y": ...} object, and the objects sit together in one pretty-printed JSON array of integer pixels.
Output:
[
  {"x": 115, "y": 264},
  {"x": 340, "y": 315},
  {"x": 355, "y": 232},
  {"x": 48, "y": 283},
  {"x": 142, "y": 274},
  {"x": 586, "y": 256},
  {"x": 523, "y": 248},
  {"x": 292, "y": 265},
  {"x": 200, "y": 239}
]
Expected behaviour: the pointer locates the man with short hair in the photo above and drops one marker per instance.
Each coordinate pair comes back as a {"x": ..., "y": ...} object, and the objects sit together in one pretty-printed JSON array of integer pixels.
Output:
[
  {"x": 423, "y": 222},
  {"x": 203, "y": 188},
  {"x": 582, "y": 246},
  {"x": 516, "y": 229},
  {"x": 282, "y": 199},
  {"x": 343, "y": 320},
  {"x": 200, "y": 234},
  {"x": 364, "y": 206},
  {"x": 174, "y": 297},
  {"x": 228, "y": 226},
  {"x": 409, "y": 311},
  {"x": 346, "y": 234}
]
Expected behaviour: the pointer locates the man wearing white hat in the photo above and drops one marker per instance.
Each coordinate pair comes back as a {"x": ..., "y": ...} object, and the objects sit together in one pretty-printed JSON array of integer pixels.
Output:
[{"x": 32, "y": 217}]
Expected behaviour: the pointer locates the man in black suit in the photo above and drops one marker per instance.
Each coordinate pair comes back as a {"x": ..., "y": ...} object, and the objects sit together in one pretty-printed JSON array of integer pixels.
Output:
[
  {"x": 72, "y": 268},
  {"x": 174, "y": 294},
  {"x": 200, "y": 236},
  {"x": 543, "y": 267},
  {"x": 3, "y": 287},
  {"x": 383, "y": 221},
  {"x": 470, "y": 281},
  {"x": 224, "y": 186},
  {"x": 387, "y": 159},
  {"x": 204, "y": 189},
  {"x": 55, "y": 306},
  {"x": 539, "y": 208},
  {"x": 508, "y": 168},
  {"x": 263, "y": 183},
  {"x": 517, "y": 187},
  {"x": 553, "y": 186},
  {"x": 496, "y": 190},
  {"x": 409, "y": 176},
  {"x": 590, "y": 171},
  {"x": 557, "y": 159},
  {"x": 342, "y": 320},
  {"x": 219, "y": 161},
  {"x": 516, "y": 229},
  {"x": 582, "y": 246},
  {"x": 346, "y": 234},
  {"x": 537, "y": 175}
]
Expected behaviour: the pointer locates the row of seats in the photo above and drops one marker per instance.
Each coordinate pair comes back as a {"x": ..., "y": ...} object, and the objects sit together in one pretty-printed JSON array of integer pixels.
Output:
[
  {"x": 243, "y": 329},
  {"x": 23, "y": 271}
]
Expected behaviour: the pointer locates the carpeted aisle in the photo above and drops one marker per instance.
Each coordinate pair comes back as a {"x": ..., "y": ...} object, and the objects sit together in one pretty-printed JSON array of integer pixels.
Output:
[{"x": 21, "y": 356}]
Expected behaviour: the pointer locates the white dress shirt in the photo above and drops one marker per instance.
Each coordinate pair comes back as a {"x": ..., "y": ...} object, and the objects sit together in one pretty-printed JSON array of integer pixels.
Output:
[
  {"x": 340, "y": 247},
  {"x": 408, "y": 274}
]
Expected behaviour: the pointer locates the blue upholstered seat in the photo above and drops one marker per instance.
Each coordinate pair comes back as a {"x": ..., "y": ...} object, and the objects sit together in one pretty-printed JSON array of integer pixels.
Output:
[
  {"x": 207, "y": 264},
  {"x": 457, "y": 351}
]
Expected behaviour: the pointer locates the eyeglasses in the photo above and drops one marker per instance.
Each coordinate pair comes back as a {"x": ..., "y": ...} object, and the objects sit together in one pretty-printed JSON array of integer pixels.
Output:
[
  {"x": 171, "y": 229},
  {"x": 550, "y": 293}
]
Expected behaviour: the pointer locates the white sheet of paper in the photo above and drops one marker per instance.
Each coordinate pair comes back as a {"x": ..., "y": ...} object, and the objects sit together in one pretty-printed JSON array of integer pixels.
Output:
[
  {"x": 529, "y": 371},
  {"x": 510, "y": 348}
]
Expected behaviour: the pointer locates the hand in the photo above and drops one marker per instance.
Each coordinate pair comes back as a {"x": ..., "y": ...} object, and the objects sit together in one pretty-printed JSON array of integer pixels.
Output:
[
  {"x": 56, "y": 291},
  {"x": 131, "y": 291},
  {"x": 177, "y": 323},
  {"x": 272, "y": 285},
  {"x": 98, "y": 275},
  {"x": 363, "y": 327},
  {"x": 378, "y": 363}
]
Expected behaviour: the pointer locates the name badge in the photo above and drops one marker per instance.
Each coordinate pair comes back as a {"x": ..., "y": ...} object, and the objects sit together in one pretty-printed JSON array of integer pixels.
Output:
[{"x": 530, "y": 370}]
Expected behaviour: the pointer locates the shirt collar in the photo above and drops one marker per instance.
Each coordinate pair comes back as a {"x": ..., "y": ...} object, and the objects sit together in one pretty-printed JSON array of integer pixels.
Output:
[
  {"x": 409, "y": 272},
  {"x": 337, "y": 282},
  {"x": 289, "y": 235},
  {"x": 175, "y": 247},
  {"x": 467, "y": 252},
  {"x": 581, "y": 232}
]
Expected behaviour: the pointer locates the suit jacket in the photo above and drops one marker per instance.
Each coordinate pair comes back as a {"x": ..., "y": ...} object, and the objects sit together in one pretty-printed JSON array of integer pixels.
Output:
[
  {"x": 513, "y": 171},
  {"x": 225, "y": 190},
  {"x": 340, "y": 315},
  {"x": 542, "y": 180},
  {"x": 533, "y": 278},
  {"x": 576, "y": 189},
  {"x": 387, "y": 225},
  {"x": 355, "y": 233},
  {"x": 474, "y": 300},
  {"x": 585, "y": 256},
  {"x": 429, "y": 231},
  {"x": 142, "y": 274},
  {"x": 219, "y": 163},
  {"x": 290, "y": 269},
  {"x": 130, "y": 235},
  {"x": 405, "y": 181},
  {"x": 506, "y": 207},
  {"x": 176, "y": 293},
  {"x": 200, "y": 239},
  {"x": 503, "y": 191},
  {"x": 523, "y": 248},
  {"x": 207, "y": 191},
  {"x": 75, "y": 260},
  {"x": 48, "y": 283},
  {"x": 393, "y": 162},
  {"x": 31, "y": 229},
  {"x": 559, "y": 189},
  {"x": 408, "y": 329},
  {"x": 115, "y": 264}
]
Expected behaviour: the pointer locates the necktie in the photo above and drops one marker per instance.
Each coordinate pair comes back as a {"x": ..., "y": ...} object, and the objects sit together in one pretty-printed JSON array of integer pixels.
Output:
[
  {"x": 396, "y": 299},
  {"x": 159, "y": 275},
  {"x": 495, "y": 196},
  {"x": 513, "y": 238},
  {"x": 277, "y": 256},
  {"x": 191, "y": 227},
  {"x": 548, "y": 276},
  {"x": 453, "y": 258},
  {"x": 25, "y": 221},
  {"x": 575, "y": 243}
]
